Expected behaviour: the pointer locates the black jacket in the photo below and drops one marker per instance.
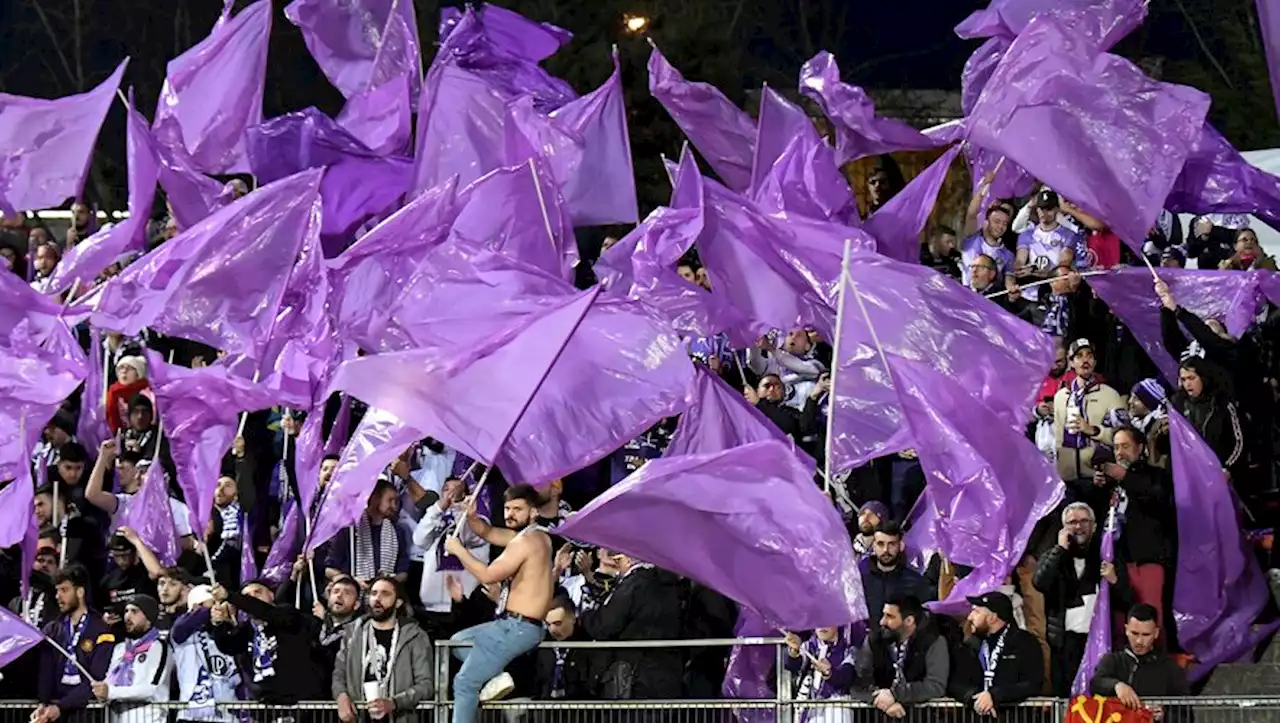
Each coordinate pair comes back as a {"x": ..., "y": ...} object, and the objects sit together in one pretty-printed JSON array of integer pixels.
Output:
[
  {"x": 298, "y": 670},
  {"x": 924, "y": 671},
  {"x": 793, "y": 423},
  {"x": 878, "y": 585},
  {"x": 1153, "y": 675},
  {"x": 1056, "y": 578},
  {"x": 646, "y": 604},
  {"x": 577, "y": 669},
  {"x": 1150, "y": 525},
  {"x": 1018, "y": 676}
]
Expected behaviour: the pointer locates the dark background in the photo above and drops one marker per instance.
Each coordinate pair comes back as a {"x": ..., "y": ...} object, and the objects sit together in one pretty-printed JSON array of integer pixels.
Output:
[{"x": 51, "y": 48}]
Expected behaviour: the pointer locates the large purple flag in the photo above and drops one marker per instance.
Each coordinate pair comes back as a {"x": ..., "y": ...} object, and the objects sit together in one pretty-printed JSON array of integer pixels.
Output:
[
  {"x": 200, "y": 412},
  {"x": 46, "y": 145},
  {"x": 1010, "y": 179},
  {"x": 795, "y": 171},
  {"x": 747, "y": 676},
  {"x": 1098, "y": 643},
  {"x": 728, "y": 518},
  {"x": 358, "y": 183},
  {"x": 381, "y": 118},
  {"x": 511, "y": 31},
  {"x": 16, "y": 637},
  {"x": 191, "y": 196},
  {"x": 1104, "y": 22},
  {"x": 84, "y": 261},
  {"x": 34, "y": 381},
  {"x": 897, "y": 225},
  {"x": 721, "y": 131},
  {"x": 284, "y": 549},
  {"x": 91, "y": 427},
  {"x": 778, "y": 123},
  {"x": 148, "y": 513},
  {"x": 1219, "y": 589},
  {"x": 347, "y": 38},
  {"x": 377, "y": 442},
  {"x": 1091, "y": 125},
  {"x": 213, "y": 92},
  {"x": 23, "y": 307},
  {"x": 1229, "y": 296},
  {"x": 859, "y": 131},
  {"x": 220, "y": 282},
  {"x": 918, "y": 314},
  {"x": 1217, "y": 179},
  {"x": 1269, "y": 20}
]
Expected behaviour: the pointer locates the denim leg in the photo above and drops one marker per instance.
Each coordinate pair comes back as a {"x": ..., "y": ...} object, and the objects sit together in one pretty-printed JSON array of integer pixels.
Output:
[
  {"x": 463, "y": 636},
  {"x": 495, "y": 644}
]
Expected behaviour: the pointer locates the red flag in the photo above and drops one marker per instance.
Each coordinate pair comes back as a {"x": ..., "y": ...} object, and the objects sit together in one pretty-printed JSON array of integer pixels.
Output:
[{"x": 1097, "y": 709}]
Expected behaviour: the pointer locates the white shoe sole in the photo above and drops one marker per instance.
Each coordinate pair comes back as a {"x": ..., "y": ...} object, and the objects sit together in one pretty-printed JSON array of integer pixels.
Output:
[{"x": 498, "y": 688}]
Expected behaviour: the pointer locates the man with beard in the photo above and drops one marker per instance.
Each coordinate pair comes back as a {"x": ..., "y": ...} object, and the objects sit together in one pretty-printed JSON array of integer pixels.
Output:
[
  {"x": 885, "y": 574},
  {"x": 278, "y": 641},
  {"x": 343, "y": 597},
  {"x": 386, "y": 662},
  {"x": 140, "y": 666},
  {"x": 1069, "y": 575},
  {"x": 1001, "y": 664},
  {"x": 870, "y": 515},
  {"x": 907, "y": 661},
  {"x": 1079, "y": 408},
  {"x": 524, "y": 570},
  {"x": 62, "y": 691},
  {"x": 39, "y": 608}
]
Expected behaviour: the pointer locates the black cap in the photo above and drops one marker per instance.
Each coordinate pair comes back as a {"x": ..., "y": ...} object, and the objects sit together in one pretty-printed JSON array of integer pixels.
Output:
[
  {"x": 118, "y": 543},
  {"x": 1078, "y": 346},
  {"x": 1047, "y": 199},
  {"x": 996, "y": 602},
  {"x": 147, "y": 605}
]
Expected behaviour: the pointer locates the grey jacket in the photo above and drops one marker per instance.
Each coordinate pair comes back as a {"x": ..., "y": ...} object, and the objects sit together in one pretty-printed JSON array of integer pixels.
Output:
[{"x": 412, "y": 671}]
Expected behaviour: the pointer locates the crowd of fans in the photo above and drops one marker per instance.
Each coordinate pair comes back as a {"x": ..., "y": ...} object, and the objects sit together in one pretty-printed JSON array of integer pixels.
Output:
[{"x": 390, "y": 585}]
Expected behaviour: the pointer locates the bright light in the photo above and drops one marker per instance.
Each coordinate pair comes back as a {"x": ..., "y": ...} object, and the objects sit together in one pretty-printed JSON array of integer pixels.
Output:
[{"x": 635, "y": 23}]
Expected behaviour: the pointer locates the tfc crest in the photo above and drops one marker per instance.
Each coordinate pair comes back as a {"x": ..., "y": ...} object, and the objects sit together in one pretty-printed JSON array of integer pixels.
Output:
[{"x": 1097, "y": 709}]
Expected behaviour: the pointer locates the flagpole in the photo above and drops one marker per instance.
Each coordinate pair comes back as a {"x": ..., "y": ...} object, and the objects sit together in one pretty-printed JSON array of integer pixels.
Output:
[
  {"x": 542, "y": 204},
  {"x": 993, "y": 295},
  {"x": 69, "y": 657},
  {"x": 306, "y": 522},
  {"x": 835, "y": 366},
  {"x": 22, "y": 442}
]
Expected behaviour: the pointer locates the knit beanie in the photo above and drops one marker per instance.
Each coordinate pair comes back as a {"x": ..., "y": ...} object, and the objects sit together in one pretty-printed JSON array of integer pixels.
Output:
[{"x": 138, "y": 363}]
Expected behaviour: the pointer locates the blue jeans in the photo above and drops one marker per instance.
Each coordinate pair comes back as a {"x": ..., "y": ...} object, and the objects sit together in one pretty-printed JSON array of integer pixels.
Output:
[{"x": 494, "y": 645}]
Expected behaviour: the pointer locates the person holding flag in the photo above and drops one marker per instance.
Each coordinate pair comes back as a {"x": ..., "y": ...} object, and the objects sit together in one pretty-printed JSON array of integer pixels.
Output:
[
  {"x": 1142, "y": 669},
  {"x": 140, "y": 668},
  {"x": 63, "y": 690}
]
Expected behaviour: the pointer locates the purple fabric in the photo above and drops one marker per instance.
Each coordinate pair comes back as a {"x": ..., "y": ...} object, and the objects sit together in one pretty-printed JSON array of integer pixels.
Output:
[
  {"x": 1271, "y": 287},
  {"x": 1098, "y": 643},
  {"x": 747, "y": 675},
  {"x": 377, "y": 442},
  {"x": 918, "y": 314},
  {"x": 747, "y": 509},
  {"x": 248, "y": 566},
  {"x": 18, "y": 496},
  {"x": 988, "y": 484},
  {"x": 213, "y": 93},
  {"x": 347, "y": 39},
  {"x": 1217, "y": 179},
  {"x": 720, "y": 419},
  {"x": 18, "y": 637},
  {"x": 91, "y": 427},
  {"x": 46, "y": 145},
  {"x": 358, "y": 183},
  {"x": 586, "y": 147},
  {"x": 200, "y": 412},
  {"x": 1103, "y": 22},
  {"x": 1219, "y": 590},
  {"x": 1092, "y": 126},
  {"x": 859, "y": 132},
  {"x": 722, "y": 132},
  {"x": 1229, "y": 296},
  {"x": 795, "y": 171},
  {"x": 219, "y": 282},
  {"x": 35, "y": 378},
  {"x": 897, "y": 225},
  {"x": 190, "y": 195},
  {"x": 84, "y": 261},
  {"x": 512, "y": 31},
  {"x": 1011, "y": 179},
  {"x": 380, "y": 118},
  {"x": 284, "y": 550},
  {"x": 148, "y": 513},
  {"x": 1269, "y": 20},
  {"x": 778, "y": 123},
  {"x": 23, "y": 306}
]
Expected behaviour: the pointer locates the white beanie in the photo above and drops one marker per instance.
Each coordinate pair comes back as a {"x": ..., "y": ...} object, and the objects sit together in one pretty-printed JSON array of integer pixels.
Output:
[{"x": 138, "y": 363}]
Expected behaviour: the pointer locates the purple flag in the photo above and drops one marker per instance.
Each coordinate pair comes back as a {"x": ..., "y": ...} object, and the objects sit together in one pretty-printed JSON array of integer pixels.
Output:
[
  {"x": 23, "y": 307},
  {"x": 84, "y": 261},
  {"x": 918, "y": 314},
  {"x": 148, "y": 513},
  {"x": 1271, "y": 287},
  {"x": 16, "y": 637},
  {"x": 213, "y": 92},
  {"x": 897, "y": 225},
  {"x": 511, "y": 31},
  {"x": 747, "y": 676},
  {"x": 1219, "y": 590},
  {"x": 1010, "y": 179},
  {"x": 778, "y": 123},
  {"x": 200, "y": 412},
  {"x": 220, "y": 282},
  {"x": 46, "y": 145},
  {"x": 1104, "y": 22},
  {"x": 284, "y": 549},
  {"x": 1089, "y": 124},
  {"x": 859, "y": 132},
  {"x": 191, "y": 196},
  {"x": 1098, "y": 643},
  {"x": 1229, "y": 296},
  {"x": 377, "y": 442},
  {"x": 34, "y": 381},
  {"x": 248, "y": 566},
  {"x": 1269, "y": 19},
  {"x": 18, "y": 497},
  {"x": 795, "y": 171},
  {"x": 1217, "y": 179},
  {"x": 727, "y": 518},
  {"x": 91, "y": 427},
  {"x": 347, "y": 38},
  {"x": 380, "y": 118},
  {"x": 721, "y": 131},
  {"x": 720, "y": 419}
]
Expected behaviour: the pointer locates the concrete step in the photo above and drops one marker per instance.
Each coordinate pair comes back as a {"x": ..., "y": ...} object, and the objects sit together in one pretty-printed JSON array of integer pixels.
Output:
[{"x": 1235, "y": 679}]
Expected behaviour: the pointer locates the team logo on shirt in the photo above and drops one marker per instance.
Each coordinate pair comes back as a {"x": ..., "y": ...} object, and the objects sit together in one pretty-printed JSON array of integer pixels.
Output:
[{"x": 86, "y": 645}]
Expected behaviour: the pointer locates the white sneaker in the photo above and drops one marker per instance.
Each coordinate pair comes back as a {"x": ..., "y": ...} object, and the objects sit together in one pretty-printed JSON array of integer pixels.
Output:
[{"x": 497, "y": 688}]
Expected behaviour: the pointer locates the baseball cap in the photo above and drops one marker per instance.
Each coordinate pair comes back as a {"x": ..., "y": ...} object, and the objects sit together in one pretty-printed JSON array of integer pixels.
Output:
[
  {"x": 996, "y": 602},
  {"x": 118, "y": 543},
  {"x": 1175, "y": 253},
  {"x": 1047, "y": 199},
  {"x": 1077, "y": 346}
]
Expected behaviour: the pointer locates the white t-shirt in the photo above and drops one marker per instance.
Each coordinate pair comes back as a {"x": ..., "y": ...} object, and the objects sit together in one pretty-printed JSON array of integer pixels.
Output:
[{"x": 1080, "y": 618}]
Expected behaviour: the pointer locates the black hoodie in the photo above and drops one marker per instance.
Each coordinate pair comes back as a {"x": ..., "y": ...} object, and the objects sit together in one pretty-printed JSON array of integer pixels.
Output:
[
  {"x": 296, "y": 672},
  {"x": 646, "y": 604}
]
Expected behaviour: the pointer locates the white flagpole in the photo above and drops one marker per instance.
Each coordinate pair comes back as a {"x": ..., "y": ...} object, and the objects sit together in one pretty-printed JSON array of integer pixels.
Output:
[{"x": 832, "y": 402}]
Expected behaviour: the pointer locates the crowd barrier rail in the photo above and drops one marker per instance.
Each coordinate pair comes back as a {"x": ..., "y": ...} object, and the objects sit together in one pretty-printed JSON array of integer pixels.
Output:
[{"x": 781, "y": 708}]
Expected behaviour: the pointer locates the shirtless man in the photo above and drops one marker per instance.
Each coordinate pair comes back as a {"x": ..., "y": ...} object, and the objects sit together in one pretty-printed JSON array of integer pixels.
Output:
[{"x": 524, "y": 570}]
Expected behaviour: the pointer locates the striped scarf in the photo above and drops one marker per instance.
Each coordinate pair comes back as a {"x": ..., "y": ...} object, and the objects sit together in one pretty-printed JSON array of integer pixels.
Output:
[{"x": 363, "y": 567}]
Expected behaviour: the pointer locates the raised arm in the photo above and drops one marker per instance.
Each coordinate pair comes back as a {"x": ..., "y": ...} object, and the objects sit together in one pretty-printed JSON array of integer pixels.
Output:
[
  {"x": 93, "y": 492},
  {"x": 499, "y": 536}
]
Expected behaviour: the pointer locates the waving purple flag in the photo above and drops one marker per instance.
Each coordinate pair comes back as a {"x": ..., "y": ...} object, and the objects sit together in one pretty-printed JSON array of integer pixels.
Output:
[
  {"x": 721, "y": 131},
  {"x": 22, "y": 307},
  {"x": 779, "y": 122},
  {"x": 91, "y": 427},
  {"x": 918, "y": 314},
  {"x": 725, "y": 519},
  {"x": 795, "y": 171},
  {"x": 1269, "y": 20},
  {"x": 1217, "y": 179},
  {"x": 220, "y": 282},
  {"x": 190, "y": 195},
  {"x": 34, "y": 381},
  {"x": 747, "y": 676},
  {"x": 16, "y": 637},
  {"x": 346, "y": 38},
  {"x": 200, "y": 411},
  {"x": 87, "y": 259},
  {"x": 148, "y": 513},
  {"x": 1105, "y": 22},
  {"x": 1091, "y": 125},
  {"x": 512, "y": 31},
  {"x": 376, "y": 443},
  {"x": 1229, "y": 296},
  {"x": 46, "y": 145},
  {"x": 213, "y": 93},
  {"x": 284, "y": 549},
  {"x": 1219, "y": 590},
  {"x": 17, "y": 500},
  {"x": 859, "y": 131},
  {"x": 381, "y": 118},
  {"x": 1010, "y": 179},
  {"x": 1098, "y": 643},
  {"x": 897, "y": 225}
]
